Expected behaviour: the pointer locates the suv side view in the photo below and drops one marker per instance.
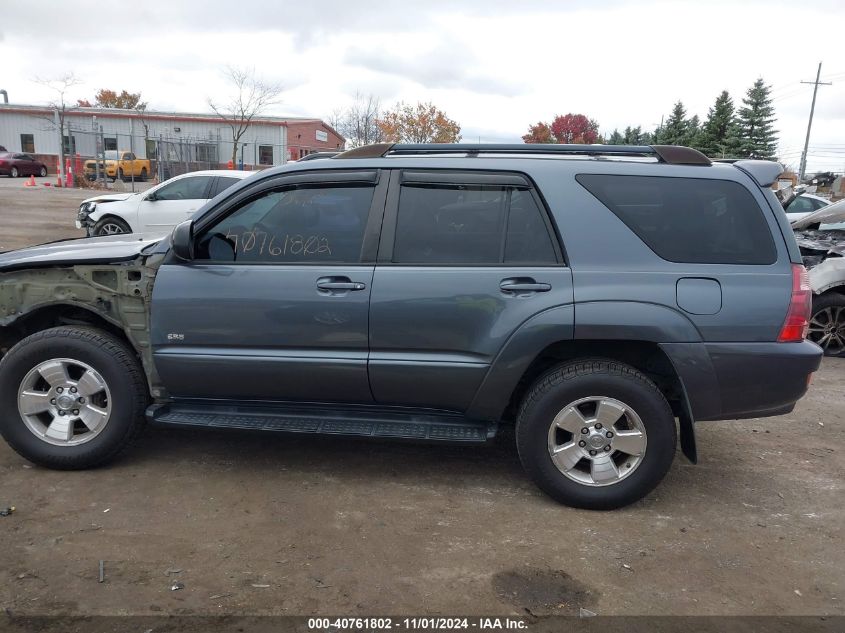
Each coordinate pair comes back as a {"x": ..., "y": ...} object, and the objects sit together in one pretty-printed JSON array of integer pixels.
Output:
[{"x": 602, "y": 299}]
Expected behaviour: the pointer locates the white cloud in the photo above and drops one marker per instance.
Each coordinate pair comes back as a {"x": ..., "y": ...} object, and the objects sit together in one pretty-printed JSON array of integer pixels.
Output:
[{"x": 495, "y": 66}]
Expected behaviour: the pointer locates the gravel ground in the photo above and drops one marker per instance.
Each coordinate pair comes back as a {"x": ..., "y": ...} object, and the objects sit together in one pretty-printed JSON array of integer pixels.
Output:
[{"x": 265, "y": 524}]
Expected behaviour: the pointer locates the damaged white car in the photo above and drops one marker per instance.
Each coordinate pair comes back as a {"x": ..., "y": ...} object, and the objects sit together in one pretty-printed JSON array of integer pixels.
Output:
[
  {"x": 157, "y": 210},
  {"x": 821, "y": 238}
]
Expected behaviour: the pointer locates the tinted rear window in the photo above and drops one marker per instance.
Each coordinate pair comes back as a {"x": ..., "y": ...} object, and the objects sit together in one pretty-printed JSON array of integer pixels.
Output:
[
  {"x": 223, "y": 183},
  {"x": 689, "y": 220}
]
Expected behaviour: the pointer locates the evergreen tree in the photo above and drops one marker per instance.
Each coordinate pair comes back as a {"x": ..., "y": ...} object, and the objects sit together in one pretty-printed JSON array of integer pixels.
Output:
[
  {"x": 630, "y": 136},
  {"x": 694, "y": 132},
  {"x": 719, "y": 135},
  {"x": 757, "y": 136},
  {"x": 635, "y": 136},
  {"x": 616, "y": 138},
  {"x": 678, "y": 130}
]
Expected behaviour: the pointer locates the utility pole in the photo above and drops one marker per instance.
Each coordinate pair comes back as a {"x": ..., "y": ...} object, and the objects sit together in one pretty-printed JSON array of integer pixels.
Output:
[{"x": 816, "y": 85}]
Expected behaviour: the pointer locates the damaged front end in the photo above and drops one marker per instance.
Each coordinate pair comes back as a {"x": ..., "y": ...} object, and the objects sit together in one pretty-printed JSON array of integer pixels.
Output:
[
  {"x": 83, "y": 221},
  {"x": 818, "y": 245},
  {"x": 113, "y": 295},
  {"x": 821, "y": 238}
]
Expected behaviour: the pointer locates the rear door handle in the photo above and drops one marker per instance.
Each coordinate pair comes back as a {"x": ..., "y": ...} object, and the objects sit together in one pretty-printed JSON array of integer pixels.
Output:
[
  {"x": 523, "y": 284},
  {"x": 330, "y": 284}
]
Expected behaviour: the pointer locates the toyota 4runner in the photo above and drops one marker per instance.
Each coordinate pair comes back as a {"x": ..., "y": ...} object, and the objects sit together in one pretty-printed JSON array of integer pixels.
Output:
[{"x": 602, "y": 299}]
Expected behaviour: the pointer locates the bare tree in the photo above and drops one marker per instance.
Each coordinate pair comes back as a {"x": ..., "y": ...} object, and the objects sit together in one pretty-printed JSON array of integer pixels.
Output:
[
  {"x": 250, "y": 97},
  {"x": 359, "y": 122},
  {"x": 60, "y": 86}
]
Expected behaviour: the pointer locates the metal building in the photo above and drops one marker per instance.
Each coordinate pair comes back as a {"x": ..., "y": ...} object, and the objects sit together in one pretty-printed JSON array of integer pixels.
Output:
[{"x": 200, "y": 141}]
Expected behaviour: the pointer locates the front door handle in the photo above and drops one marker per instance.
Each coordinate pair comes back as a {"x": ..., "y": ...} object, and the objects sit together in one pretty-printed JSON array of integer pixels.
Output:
[
  {"x": 523, "y": 284},
  {"x": 332, "y": 284}
]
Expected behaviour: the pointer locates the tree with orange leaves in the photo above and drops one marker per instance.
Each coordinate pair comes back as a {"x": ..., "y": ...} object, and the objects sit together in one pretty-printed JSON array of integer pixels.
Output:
[
  {"x": 569, "y": 128},
  {"x": 539, "y": 133},
  {"x": 420, "y": 123}
]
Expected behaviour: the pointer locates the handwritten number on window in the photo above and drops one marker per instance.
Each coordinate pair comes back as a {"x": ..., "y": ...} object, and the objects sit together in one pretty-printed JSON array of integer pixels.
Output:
[{"x": 261, "y": 242}]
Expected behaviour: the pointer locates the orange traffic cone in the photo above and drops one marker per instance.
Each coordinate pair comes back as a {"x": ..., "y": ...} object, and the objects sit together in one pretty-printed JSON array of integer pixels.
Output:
[{"x": 30, "y": 182}]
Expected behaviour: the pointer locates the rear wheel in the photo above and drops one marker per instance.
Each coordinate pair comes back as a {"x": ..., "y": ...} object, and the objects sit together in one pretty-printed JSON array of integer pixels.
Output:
[
  {"x": 43, "y": 171},
  {"x": 13, "y": 172},
  {"x": 827, "y": 325},
  {"x": 143, "y": 174},
  {"x": 595, "y": 434},
  {"x": 121, "y": 175},
  {"x": 110, "y": 226},
  {"x": 71, "y": 397}
]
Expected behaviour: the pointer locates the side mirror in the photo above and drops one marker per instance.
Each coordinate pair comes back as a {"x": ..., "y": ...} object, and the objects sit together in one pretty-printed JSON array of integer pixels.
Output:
[
  {"x": 151, "y": 196},
  {"x": 182, "y": 240}
]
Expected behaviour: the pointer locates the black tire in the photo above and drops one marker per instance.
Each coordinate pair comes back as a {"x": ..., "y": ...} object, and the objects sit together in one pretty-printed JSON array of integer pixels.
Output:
[
  {"x": 121, "y": 175},
  {"x": 143, "y": 174},
  {"x": 105, "y": 225},
  {"x": 13, "y": 172},
  {"x": 43, "y": 171},
  {"x": 109, "y": 356},
  {"x": 825, "y": 307},
  {"x": 566, "y": 384}
]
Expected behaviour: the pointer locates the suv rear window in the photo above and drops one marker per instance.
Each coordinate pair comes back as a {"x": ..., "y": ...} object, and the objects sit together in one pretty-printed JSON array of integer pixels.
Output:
[{"x": 688, "y": 220}]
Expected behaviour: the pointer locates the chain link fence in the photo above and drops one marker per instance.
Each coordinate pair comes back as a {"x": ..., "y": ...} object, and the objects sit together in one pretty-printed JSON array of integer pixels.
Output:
[{"x": 107, "y": 158}]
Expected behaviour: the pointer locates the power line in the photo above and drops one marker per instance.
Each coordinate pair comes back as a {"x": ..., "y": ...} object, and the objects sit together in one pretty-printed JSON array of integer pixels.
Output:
[{"x": 816, "y": 85}]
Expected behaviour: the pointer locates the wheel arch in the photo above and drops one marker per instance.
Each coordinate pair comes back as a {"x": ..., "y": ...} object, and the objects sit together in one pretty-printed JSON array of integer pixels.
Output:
[
  {"x": 494, "y": 401},
  {"x": 112, "y": 216},
  {"x": 45, "y": 316}
]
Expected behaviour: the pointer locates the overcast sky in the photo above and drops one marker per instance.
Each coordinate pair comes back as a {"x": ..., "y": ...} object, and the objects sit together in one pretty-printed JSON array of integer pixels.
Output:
[{"x": 495, "y": 66}]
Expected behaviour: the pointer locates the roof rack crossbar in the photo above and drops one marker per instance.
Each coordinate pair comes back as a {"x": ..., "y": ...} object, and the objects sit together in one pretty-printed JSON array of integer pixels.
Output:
[{"x": 672, "y": 154}]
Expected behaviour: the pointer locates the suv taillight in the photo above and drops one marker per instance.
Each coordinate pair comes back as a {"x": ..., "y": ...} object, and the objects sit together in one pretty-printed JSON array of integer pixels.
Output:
[{"x": 797, "y": 320}]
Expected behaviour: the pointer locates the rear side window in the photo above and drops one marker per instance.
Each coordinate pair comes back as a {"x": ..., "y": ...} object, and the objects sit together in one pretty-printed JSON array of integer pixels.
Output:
[
  {"x": 223, "y": 183},
  {"x": 688, "y": 220},
  {"x": 470, "y": 225}
]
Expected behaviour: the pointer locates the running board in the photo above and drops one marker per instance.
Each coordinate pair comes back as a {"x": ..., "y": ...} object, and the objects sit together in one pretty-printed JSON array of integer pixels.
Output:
[{"x": 420, "y": 426}]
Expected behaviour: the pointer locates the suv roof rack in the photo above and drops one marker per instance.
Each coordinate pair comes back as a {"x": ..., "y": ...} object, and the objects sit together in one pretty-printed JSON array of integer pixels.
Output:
[{"x": 670, "y": 154}]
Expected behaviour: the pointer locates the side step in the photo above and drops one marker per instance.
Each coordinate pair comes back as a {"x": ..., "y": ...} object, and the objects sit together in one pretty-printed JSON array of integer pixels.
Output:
[{"x": 421, "y": 426}]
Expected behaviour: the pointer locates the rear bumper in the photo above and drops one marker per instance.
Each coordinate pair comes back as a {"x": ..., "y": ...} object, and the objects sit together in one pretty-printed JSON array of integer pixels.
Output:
[{"x": 727, "y": 381}]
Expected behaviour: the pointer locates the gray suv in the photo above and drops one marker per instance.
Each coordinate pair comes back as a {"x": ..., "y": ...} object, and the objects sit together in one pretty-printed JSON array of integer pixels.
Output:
[{"x": 601, "y": 299}]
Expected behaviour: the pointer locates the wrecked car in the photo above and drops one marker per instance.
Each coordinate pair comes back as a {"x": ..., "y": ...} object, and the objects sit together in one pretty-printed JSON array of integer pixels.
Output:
[
  {"x": 158, "y": 209},
  {"x": 601, "y": 300},
  {"x": 797, "y": 202},
  {"x": 821, "y": 237}
]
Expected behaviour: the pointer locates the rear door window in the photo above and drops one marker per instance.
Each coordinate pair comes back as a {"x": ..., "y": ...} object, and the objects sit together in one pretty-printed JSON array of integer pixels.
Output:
[
  {"x": 470, "y": 224},
  {"x": 223, "y": 183},
  {"x": 688, "y": 220}
]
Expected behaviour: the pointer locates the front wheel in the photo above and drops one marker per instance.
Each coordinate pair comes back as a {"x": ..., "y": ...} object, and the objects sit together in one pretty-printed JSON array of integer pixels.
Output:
[
  {"x": 71, "y": 397},
  {"x": 43, "y": 171},
  {"x": 595, "y": 434},
  {"x": 110, "y": 226},
  {"x": 14, "y": 172}
]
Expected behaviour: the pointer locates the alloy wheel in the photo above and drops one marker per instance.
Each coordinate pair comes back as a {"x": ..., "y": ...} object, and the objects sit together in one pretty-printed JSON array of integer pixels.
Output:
[
  {"x": 110, "y": 228},
  {"x": 827, "y": 329},
  {"x": 64, "y": 402},
  {"x": 597, "y": 441}
]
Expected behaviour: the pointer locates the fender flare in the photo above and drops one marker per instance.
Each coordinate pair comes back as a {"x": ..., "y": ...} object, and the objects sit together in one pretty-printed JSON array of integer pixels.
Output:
[{"x": 605, "y": 320}]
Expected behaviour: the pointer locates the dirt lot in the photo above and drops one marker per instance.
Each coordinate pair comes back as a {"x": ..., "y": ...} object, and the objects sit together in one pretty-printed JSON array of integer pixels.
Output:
[{"x": 261, "y": 524}]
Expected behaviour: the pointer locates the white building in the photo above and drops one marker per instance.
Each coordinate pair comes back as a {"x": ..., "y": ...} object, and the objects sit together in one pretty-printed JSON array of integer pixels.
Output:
[{"x": 199, "y": 140}]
